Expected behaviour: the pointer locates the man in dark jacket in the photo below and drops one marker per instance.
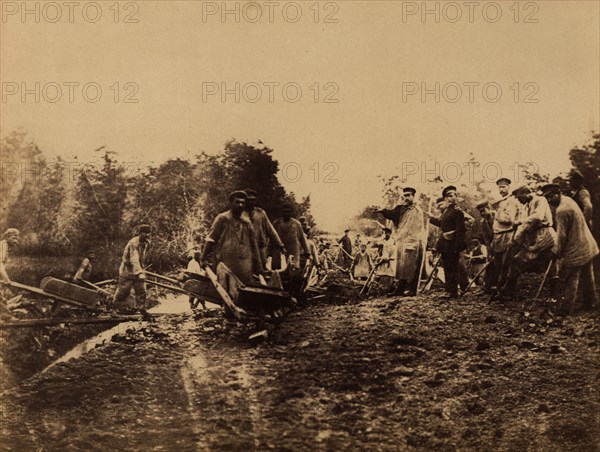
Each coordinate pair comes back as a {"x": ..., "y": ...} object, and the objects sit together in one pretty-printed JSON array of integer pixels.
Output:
[
  {"x": 345, "y": 256},
  {"x": 452, "y": 239}
]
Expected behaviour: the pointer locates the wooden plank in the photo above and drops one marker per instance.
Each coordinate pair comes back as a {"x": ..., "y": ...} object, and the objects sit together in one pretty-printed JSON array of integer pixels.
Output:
[
  {"x": 237, "y": 312},
  {"x": 40, "y": 292},
  {"x": 68, "y": 321}
]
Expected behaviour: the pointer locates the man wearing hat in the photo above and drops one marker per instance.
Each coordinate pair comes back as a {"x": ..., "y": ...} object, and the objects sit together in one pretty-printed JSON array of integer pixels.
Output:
[
  {"x": 233, "y": 241},
  {"x": 10, "y": 239},
  {"x": 409, "y": 235},
  {"x": 575, "y": 246},
  {"x": 345, "y": 256},
  {"x": 266, "y": 235},
  {"x": 581, "y": 195},
  {"x": 533, "y": 239},
  {"x": 452, "y": 239},
  {"x": 131, "y": 270},
  {"x": 507, "y": 213},
  {"x": 292, "y": 236}
]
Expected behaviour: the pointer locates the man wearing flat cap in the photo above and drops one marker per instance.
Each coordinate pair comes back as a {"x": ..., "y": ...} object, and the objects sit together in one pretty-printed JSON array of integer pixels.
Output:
[
  {"x": 576, "y": 247},
  {"x": 452, "y": 239},
  {"x": 266, "y": 235},
  {"x": 409, "y": 235},
  {"x": 233, "y": 241},
  {"x": 533, "y": 239},
  {"x": 581, "y": 195},
  {"x": 507, "y": 212},
  {"x": 10, "y": 239},
  {"x": 131, "y": 270}
]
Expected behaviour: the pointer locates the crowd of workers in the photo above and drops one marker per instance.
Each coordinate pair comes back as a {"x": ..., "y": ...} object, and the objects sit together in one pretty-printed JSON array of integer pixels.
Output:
[{"x": 521, "y": 231}]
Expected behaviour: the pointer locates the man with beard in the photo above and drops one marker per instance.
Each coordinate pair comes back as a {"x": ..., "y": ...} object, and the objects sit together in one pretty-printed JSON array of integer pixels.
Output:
[
  {"x": 577, "y": 248},
  {"x": 409, "y": 235},
  {"x": 533, "y": 238},
  {"x": 233, "y": 241},
  {"x": 265, "y": 233}
]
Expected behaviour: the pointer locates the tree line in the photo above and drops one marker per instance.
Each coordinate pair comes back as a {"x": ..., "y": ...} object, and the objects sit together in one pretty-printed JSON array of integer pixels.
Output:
[{"x": 61, "y": 211}]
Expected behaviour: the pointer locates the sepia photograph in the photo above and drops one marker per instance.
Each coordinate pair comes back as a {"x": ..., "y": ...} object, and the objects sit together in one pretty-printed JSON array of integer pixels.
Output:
[{"x": 305, "y": 225}]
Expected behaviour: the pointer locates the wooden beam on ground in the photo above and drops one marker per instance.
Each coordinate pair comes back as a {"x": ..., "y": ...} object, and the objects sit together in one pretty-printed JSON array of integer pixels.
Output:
[{"x": 69, "y": 321}]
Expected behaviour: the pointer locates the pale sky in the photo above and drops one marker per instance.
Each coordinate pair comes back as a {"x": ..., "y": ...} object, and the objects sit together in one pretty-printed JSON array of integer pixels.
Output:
[{"x": 371, "y": 56}]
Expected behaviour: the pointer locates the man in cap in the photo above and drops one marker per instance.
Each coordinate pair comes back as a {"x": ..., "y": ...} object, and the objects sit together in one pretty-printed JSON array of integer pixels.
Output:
[
  {"x": 291, "y": 234},
  {"x": 233, "y": 241},
  {"x": 266, "y": 235},
  {"x": 533, "y": 239},
  {"x": 10, "y": 239},
  {"x": 487, "y": 235},
  {"x": 452, "y": 239},
  {"x": 507, "y": 212},
  {"x": 581, "y": 195},
  {"x": 131, "y": 270},
  {"x": 313, "y": 251},
  {"x": 345, "y": 256},
  {"x": 409, "y": 235},
  {"x": 575, "y": 246}
]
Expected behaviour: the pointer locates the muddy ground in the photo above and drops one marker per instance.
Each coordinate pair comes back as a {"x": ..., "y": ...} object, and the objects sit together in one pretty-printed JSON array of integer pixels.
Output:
[{"x": 385, "y": 374}]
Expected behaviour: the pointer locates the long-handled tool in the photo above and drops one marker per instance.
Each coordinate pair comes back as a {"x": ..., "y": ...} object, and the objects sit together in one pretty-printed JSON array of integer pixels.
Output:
[
  {"x": 98, "y": 288},
  {"x": 429, "y": 281},
  {"x": 476, "y": 276},
  {"x": 369, "y": 277},
  {"x": 166, "y": 278},
  {"x": 546, "y": 273}
]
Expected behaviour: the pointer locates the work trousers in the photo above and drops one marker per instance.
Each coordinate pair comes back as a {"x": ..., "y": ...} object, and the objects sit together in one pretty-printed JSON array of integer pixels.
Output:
[
  {"x": 576, "y": 278},
  {"x": 124, "y": 287},
  {"x": 450, "y": 261}
]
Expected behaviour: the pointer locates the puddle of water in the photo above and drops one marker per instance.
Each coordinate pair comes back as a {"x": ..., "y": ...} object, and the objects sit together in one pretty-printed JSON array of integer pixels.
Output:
[
  {"x": 87, "y": 345},
  {"x": 170, "y": 305}
]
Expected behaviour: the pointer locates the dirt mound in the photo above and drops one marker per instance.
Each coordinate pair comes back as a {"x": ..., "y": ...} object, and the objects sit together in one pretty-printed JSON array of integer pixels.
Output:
[{"x": 386, "y": 374}]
